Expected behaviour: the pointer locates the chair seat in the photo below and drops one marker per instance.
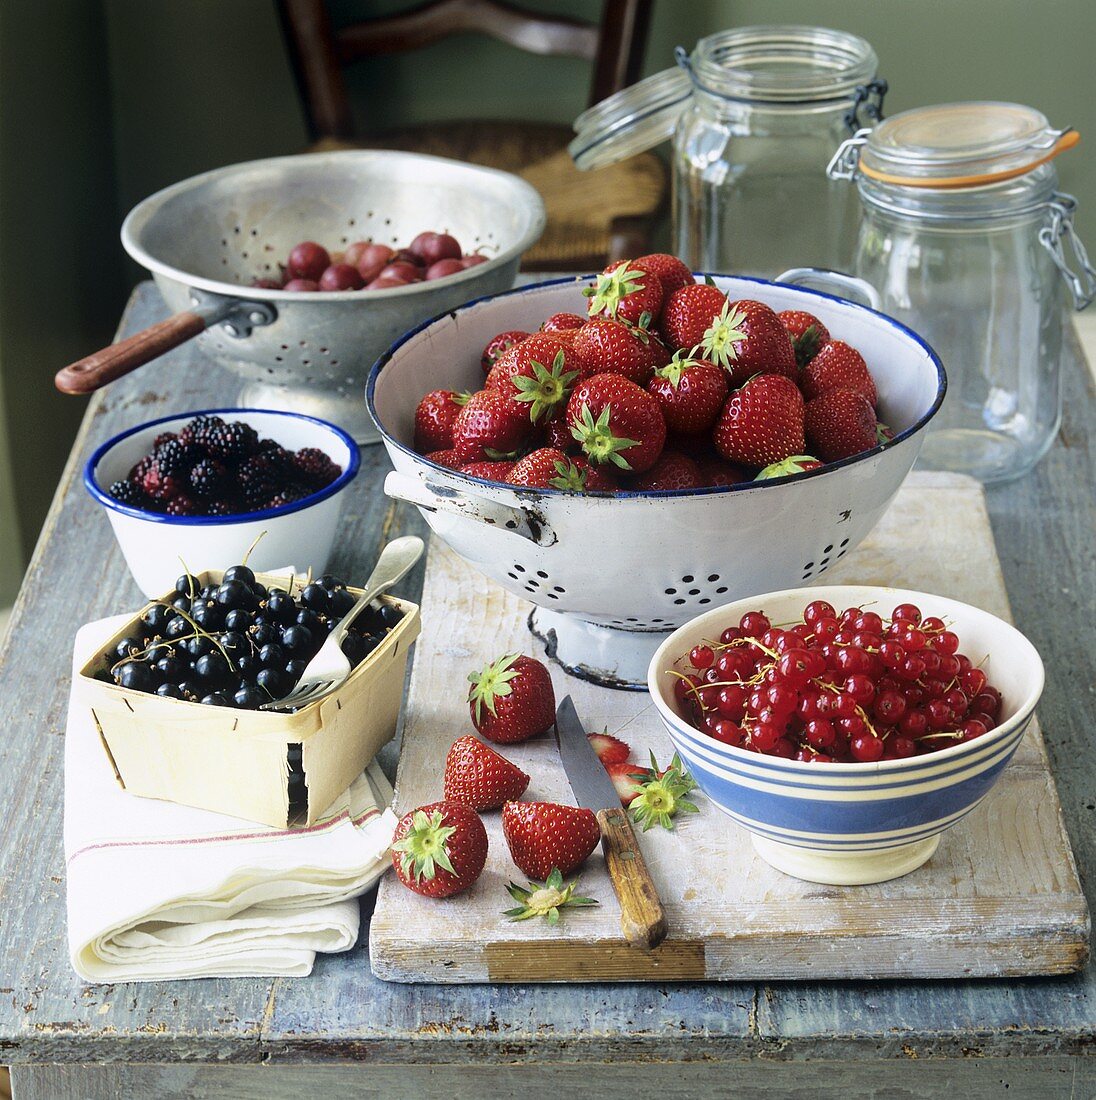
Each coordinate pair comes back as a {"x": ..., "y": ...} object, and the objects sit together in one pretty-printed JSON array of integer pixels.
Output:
[{"x": 582, "y": 207}]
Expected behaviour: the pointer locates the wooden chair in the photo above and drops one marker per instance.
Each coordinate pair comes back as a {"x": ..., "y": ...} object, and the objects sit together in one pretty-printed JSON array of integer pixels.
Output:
[{"x": 593, "y": 217}]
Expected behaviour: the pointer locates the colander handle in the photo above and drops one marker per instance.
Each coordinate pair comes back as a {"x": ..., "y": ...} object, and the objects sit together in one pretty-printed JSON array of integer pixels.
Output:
[
  {"x": 832, "y": 282},
  {"x": 436, "y": 497}
]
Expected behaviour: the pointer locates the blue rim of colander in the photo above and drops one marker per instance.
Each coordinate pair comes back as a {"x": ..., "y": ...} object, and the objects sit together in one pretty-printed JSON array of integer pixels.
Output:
[
  {"x": 708, "y": 490},
  {"x": 91, "y": 482}
]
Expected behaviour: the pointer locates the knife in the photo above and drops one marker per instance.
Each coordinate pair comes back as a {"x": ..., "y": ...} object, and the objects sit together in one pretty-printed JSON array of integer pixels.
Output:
[{"x": 642, "y": 919}]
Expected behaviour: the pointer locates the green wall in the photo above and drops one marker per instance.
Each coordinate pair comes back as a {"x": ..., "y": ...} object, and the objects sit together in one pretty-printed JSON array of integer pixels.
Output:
[{"x": 104, "y": 101}]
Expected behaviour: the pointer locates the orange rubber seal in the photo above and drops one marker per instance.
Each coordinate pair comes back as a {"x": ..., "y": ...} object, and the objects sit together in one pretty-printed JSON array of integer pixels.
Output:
[{"x": 1068, "y": 139}]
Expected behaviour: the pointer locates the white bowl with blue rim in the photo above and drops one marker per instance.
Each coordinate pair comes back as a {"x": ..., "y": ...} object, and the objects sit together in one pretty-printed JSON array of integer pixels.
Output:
[
  {"x": 156, "y": 546},
  {"x": 611, "y": 575},
  {"x": 850, "y": 824}
]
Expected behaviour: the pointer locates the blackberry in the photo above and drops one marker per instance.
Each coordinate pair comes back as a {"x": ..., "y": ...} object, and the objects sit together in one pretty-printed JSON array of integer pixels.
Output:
[
  {"x": 277, "y": 453},
  {"x": 286, "y": 496},
  {"x": 315, "y": 468},
  {"x": 220, "y": 508},
  {"x": 231, "y": 441},
  {"x": 173, "y": 458},
  {"x": 198, "y": 429},
  {"x": 260, "y": 477},
  {"x": 183, "y": 505},
  {"x": 209, "y": 477},
  {"x": 163, "y": 487},
  {"x": 140, "y": 471},
  {"x": 127, "y": 492}
]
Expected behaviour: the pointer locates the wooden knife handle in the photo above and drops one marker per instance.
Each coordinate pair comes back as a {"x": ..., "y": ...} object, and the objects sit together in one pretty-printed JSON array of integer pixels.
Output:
[
  {"x": 105, "y": 366},
  {"x": 642, "y": 919}
]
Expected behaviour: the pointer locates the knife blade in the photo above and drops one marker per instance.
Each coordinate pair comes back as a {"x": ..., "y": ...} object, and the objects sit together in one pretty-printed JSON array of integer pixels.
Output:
[{"x": 642, "y": 919}]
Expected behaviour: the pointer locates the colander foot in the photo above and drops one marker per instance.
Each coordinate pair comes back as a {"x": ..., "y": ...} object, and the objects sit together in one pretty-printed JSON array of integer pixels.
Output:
[
  {"x": 605, "y": 655},
  {"x": 348, "y": 413}
]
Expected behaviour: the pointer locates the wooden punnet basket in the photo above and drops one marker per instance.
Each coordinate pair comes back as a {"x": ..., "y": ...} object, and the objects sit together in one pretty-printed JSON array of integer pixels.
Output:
[{"x": 237, "y": 761}]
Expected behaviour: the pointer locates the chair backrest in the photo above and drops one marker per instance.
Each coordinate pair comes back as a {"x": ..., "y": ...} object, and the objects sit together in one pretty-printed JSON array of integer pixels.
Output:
[{"x": 319, "y": 51}]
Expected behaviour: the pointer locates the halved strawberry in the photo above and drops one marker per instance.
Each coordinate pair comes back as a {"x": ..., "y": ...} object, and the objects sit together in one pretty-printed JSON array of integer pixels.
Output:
[
  {"x": 671, "y": 471},
  {"x": 762, "y": 422},
  {"x": 689, "y": 313},
  {"x": 671, "y": 272},
  {"x": 440, "y": 849},
  {"x": 609, "y": 749},
  {"x": 807, "y": 332},
  {"x": 538, "y": 373},
  {"x": 512, "y": 699},
  {"x": 839, "y": 424},
  {"x": 498, "y": 344},
  {"x": 617, "y": 422},
  {"x": 489, "y": 426},
  {"x": 838, "y": 366},
  {"x": 434, "y": 420},
  {"x": 690, "y": 392},
  {"x": 627, "y": 779},
  {"x": 477, "y": 776},
  {"x": 545, "y": 836},
  {"x": 612, "y": 347},
  {"x": 625, "y": 292}
]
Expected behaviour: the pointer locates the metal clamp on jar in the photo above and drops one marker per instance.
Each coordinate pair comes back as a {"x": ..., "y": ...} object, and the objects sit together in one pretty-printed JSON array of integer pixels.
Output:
[
  {"x": 753, "y": 113},
  {"x": 964, "y": 236}
]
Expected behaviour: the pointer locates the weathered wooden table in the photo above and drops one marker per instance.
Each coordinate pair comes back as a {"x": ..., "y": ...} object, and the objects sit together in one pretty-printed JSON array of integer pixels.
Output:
[{"x": 342, "y": 1029}]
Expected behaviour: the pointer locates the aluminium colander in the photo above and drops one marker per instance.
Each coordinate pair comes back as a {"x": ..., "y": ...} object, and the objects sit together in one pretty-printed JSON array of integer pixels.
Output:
[
  {"x": 205, "y": 239},
  {"x": 611, "y": 575}
]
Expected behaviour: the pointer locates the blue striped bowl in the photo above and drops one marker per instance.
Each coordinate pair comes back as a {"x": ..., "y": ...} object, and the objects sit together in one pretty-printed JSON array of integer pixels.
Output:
[{"x": 847, "y": 824}]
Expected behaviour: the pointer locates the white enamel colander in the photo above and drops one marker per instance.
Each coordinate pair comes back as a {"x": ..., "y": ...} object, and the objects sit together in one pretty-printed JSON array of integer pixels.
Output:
[{"x": 611, "y": 575}]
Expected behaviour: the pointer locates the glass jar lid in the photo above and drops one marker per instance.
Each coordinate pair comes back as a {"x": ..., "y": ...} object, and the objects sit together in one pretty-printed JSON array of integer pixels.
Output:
[
  {"x": 958, "y": 145},
  {"x": 777, "y": 66}
]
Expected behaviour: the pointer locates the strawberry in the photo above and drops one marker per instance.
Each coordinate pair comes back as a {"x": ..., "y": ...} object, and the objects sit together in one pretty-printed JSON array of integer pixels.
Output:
[
  {"x": 557, "y": 434},
  {"x": 584, "y": 477},
  {"x": 490, "y": 425},
  {"x": 448, "y": 458},
  {"x": 762, "y": 422},
  {"x": 840, "y": 423},
  {"x": 747, "y": 339},
  {"x": 690, "y": 393},
  {"x": 689, "y": 313},
  {"x": 440, "y": 849},
  {"x": 837, "y": 366},
  {"x": 497, "y": 345},
  {"x": 796, "y": 464},
  {"x": 717, "y": 473},
  {"x": 434, "y": 420},
  {"x": 807, "y": 332},
  {"x": 610, "y": 347},
  {"x": 627, "y": 779},
  {"x": 563, "y": 322},
  {"x": 695, "y": 445},
  {"x": 624, "y": 292},
  {"x": 671, "y": 471},
  {"x": 548, "y": 468},
  {"x": 512, "y": 699},
  {"x": 609, "y": 749},
  {"x": 477, "y": 776},
  {"x": 545, "y": 836},
  {"x": 617, "y": 422},
  {"x": 488, "y": 470},
  {"x": 538, "y": 373},
  {"x": 671, "y": 272}
]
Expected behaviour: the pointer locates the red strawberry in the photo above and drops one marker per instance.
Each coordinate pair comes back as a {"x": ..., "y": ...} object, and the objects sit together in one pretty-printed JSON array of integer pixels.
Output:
[
  {"x": 696, "y": 445},
  {"x": 563, "y": 322},
  {"x": 671, "y": 272},
  {"x": 545, "y": 835},
  {"x": 747, "y": 339},
  {"x": 617, "y": 422},
  {"x": 625, "y": 292},
  {"x": 557, "y": 434},
  {"x": 448, "y": 458},
  {"x": 837, "y": 366},
  {"x": 671, "y": 471},
  {"x": 716, "y": 472},
  {"x": 609, "y": 749},
  {"x": 548, "y": 468},
  {"x": 538, "y": 373},
  {"x": 610, "y": 347},
  {"x": 434, "y": 420},
  {"x": 476, "y": 776},
  {"x": 627, "y": 779},
  {"x": 689, "y": 313},
  {"x": 690, "y": 393},
  {"x": 840, "y": 423},
  {"x": 584, "y": 477},
  {"x": 512, "y": 699},
  {"x": 762, "y": 422},
  {"x": 440, "y": 849},
  {"x": 490, "y": 425},
  {"x": 807, "y": 332},
  {"x": 497, "y": 345},
  {"x": 488, "y": 470},
  {"x": 796, "y": 464}
]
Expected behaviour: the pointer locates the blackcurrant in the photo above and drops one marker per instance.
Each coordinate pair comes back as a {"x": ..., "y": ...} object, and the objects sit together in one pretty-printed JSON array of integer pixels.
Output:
[
  {"x": 156, "y": 618},
  {"x": 308, "y": 618},
  {"x": 214, "y": 699},
  {"x": 330, "y": 582},
  {"x": 169, "y": 669},
  {"x": 274, "y": 681},
  {"x": 295, "y": 669},
  {"x": 240, "y": 573},
  {"x": 169, "y": 691},
  {"x": 390, "y": 614},
  {"x": 250, "y": 697},
  {"x": 187, "y": 585},
  {"x": 192, "y": 689},
  {"x": 272, "y": 656},
  {"x": 208, "y": 616},
  {"x": 236, "y": 594},
  {"x": 297, "y": 640},
  {"x": 280, "y": 608},
  {"x": 315, "y": 597},
  {"x": 135, "y": 675},
  {"x": 238, "y": 619},
  {"x": 178, "y": 628},
  {"x": 212, "y": 666},
  {"x": 341, "y": 603},
  {"x": 264, "y": 634},
  {"x": 248, "y": 666},
  {"x": 197, "y": 646},
  {"x": 127, "y": 647}
]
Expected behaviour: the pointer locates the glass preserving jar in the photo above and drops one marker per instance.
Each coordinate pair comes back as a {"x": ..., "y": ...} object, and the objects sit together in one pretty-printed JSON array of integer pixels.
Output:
[
  {"x": 963, "y": 236},
  {"x": 753, "y": 113}
]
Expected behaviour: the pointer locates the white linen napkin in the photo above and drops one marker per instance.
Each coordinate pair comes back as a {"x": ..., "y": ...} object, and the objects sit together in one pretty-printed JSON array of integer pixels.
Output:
[{"x": 158, "y": 891}]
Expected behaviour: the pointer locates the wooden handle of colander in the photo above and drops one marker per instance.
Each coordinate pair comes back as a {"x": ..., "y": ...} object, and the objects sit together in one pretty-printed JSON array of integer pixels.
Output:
[{"x": 95, "y": 371}]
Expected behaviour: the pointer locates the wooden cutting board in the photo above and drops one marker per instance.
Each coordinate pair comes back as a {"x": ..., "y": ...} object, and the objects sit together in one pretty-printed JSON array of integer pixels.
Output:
[{"x": 999, "y": 898}]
